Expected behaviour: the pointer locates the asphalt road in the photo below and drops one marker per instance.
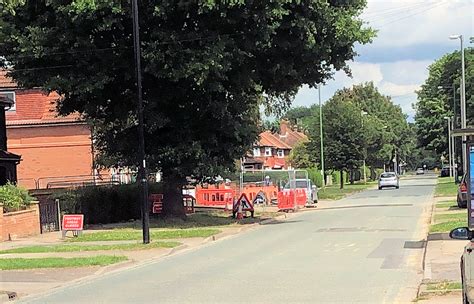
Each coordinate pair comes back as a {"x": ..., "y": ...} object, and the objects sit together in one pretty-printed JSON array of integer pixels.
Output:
[{"x": 362, "y": 249}]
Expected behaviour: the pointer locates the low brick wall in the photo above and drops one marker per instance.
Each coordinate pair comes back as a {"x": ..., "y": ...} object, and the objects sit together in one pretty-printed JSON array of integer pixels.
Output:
[{"x": 20, "y": 223}]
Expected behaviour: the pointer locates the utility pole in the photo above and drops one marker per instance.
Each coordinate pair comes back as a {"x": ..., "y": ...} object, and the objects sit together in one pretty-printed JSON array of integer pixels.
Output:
[
  {"x": 321, "y": 135},
  {"x": 463, "y": 102},
  {"x": 449, "y": 146},
  {"x": 362, "y": 113},
  {"x": 142, "y": 174}
]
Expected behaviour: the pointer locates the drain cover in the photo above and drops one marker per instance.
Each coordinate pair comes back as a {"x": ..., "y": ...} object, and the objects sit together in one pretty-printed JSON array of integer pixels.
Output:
[{"x": 414, "y": 244}]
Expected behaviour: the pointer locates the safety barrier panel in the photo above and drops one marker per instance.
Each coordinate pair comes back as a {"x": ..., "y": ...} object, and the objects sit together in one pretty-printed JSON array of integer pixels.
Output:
[
  {"x": 214, "y": 197},
  {"x": 291, "y": 199},
  {"x": 271, "y": 192}
]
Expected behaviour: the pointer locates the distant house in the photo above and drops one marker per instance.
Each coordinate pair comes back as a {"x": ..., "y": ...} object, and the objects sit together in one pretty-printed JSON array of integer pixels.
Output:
[
  {"x": 51, "y": 147},
  {"x": 271, "y": 151}
]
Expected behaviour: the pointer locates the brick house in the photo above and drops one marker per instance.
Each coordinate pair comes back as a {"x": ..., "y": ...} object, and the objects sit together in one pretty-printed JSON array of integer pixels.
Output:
[
  {"x": 51, "y": 146},
  {"x": 272, "y": 150}
]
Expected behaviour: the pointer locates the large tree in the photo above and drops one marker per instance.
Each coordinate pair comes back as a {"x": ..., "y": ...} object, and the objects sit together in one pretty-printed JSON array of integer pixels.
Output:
[
  {"x": 439, "y": 97},
  {"x": 207, "y": 66}
]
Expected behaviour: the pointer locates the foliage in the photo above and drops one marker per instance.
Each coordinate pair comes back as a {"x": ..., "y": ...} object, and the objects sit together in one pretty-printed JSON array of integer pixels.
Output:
[
  {"x": 359, "y": 123},
  {"x": 315, "y": 176},
  {"x": 104, "y": 204},
  {"x": 207, "y": 67},
  {"x": 14, "y": 197},
  {"x": 437, "y": 99},
  {"x": 300, "y": 157},
  {"x": 32, "y": 263}
]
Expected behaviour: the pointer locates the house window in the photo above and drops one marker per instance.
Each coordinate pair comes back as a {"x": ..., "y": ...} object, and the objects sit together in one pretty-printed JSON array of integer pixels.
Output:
[
  {"x": 281, "y": 153},
  {"x": 11, "y": 96},
  {"x": 268, "y": 151},
  {"x": 256, "y": 151}
]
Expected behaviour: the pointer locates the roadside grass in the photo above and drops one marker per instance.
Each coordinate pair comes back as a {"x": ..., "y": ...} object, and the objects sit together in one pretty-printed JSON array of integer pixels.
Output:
[
  {"x": 78, "y": 248},
  {"x": 21, "y": 263},
  {"x": 442, "y": 286},
  {"x": 447, "y": 204},
  {"x": 135, "y": 234},
  {"x": 446, "y": 187},
  {"x": 334, "y": 193},
  {"x": 201, "y": 219},
  {"x": 448, "y": 226},
  {"x": 445, "y": 217}
]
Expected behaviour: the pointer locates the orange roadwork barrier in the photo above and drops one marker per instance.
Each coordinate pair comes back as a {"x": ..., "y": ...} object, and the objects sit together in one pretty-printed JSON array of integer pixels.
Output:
[
  {"x": 289, "y": 198},
  {"x": 215, "y": 197},
  {"x": 271, "y": 192}
]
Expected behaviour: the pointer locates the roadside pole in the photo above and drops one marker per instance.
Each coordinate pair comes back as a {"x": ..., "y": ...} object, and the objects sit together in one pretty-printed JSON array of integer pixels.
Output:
[
  {"x": 321, "y": 135},
  {"x": 142, "y": 174}
]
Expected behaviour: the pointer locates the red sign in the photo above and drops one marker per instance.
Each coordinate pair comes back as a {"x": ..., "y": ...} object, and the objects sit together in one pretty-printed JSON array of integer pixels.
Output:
[
  {"x": 245, "y": 202},
  {"x": 73, "y": 221},
  {"x": 157, "y": 203}
]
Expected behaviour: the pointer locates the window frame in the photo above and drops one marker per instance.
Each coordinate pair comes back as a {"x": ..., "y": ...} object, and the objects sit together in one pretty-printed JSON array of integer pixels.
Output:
[
  {"x": 13, "y": 107},
  {"x": 268, "y": 149},
  {"x": 257, "y": 154}
]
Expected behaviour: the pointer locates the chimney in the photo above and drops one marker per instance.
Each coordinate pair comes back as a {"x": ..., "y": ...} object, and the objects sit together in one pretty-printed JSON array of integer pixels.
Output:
[{"x": 284, "y": 125}]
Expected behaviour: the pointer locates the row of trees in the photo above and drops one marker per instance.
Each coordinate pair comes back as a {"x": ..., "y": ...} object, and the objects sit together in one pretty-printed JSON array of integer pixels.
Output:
[
  {"x": 358, "y": 123},
  {"x": 439, "y": 97},
  {"x": 207, "y": 68}
]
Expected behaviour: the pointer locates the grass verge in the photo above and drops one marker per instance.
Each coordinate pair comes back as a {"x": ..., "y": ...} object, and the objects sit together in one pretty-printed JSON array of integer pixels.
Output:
[
  {"x": 446, "y": 187},
  {"x": 20, "y": 263},
  {"x": 448, "y": 226},
  {"x": 334, "y": 193},
  {"x": 442, "y": 286},
  {"x": 78, "y": 248},
  {"x": 201, "y": 219},
  {"x": 445, "y": 217},
  {"x": 131, "y": 234},
  {"x": 447, "y": 204}
]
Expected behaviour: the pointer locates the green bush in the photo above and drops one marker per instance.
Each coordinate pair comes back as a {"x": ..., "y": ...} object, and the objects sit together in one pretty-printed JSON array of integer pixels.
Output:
[
  {"x": 14, "y": 198},
  {"x": 104, "y": 204},
  {"x": 315, "y": 176}
]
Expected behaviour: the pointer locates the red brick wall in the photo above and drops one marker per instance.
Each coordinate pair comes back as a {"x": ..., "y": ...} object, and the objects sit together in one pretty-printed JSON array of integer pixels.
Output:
[
  {"x": 20, "y": 223},
  {"x": 50, "y": 151}
]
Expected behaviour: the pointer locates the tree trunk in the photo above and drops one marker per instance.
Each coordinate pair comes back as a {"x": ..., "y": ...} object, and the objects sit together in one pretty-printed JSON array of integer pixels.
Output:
[
  {"x": 342, "y": 179},
  {"x": 173, "y": 195},
  {"x": 351, "y": 178}
]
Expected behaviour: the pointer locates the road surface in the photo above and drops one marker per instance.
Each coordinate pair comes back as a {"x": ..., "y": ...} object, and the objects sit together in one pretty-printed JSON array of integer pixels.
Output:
[{"x": 362, "y": 249}]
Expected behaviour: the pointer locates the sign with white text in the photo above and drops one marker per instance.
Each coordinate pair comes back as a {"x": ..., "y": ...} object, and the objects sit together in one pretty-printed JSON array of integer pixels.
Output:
[{"x": 73, "y": 222}]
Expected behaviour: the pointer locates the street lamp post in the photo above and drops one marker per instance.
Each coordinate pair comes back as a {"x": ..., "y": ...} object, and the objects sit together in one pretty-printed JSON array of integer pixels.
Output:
[
  {"x": 453, "y": 126},
  {"x": 321, "y": 135},
  {"x": 463, "y": 102},
  {"x": 449, "y": 147},
  {"x": 362, "y": 113},
  {"x": 143, "y": 181}
]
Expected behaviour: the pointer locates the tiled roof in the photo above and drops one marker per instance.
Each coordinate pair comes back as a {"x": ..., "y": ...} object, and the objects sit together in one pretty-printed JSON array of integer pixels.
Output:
[
  {"x": 33, "y": 106},
  {"x": 268, "y": 139},
  {"x": 6, "y": 82},
  {"x": 292, "y": 137}
]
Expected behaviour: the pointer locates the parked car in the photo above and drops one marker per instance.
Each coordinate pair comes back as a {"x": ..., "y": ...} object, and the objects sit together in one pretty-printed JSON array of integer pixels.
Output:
[
  {"x": 467, "y": 262},
  {"x": 389, "y": 179},
  {"x": 420, "y": 171},
  {"x": 462, "y": 193},
  {"x": 444, "y": 171},
  {"x": 310, "y": 189}
]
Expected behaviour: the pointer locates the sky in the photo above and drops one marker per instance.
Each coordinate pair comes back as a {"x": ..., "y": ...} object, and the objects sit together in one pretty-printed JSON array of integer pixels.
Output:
[{"x": 411, "y": 35}]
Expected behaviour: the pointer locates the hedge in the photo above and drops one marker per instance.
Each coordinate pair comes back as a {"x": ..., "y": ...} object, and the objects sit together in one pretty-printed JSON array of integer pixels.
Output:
[{"x": 104, "y": 204}]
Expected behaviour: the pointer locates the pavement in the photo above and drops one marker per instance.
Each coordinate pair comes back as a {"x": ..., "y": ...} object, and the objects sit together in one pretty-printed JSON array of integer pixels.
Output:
[
  {"x": 442, "y": 264},
  {"x": 367, "y": 248}
]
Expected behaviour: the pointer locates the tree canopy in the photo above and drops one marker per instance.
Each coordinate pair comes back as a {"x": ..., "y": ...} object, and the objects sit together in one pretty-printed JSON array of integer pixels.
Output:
[
  {"x": 207, "y": 67},
  {"x": 439, "y": 97}
]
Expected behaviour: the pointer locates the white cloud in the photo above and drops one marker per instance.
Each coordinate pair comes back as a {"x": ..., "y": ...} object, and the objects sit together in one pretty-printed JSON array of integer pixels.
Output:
[
  {"x": 407, "y": 22},
  {"x": 393, "y": 89}
]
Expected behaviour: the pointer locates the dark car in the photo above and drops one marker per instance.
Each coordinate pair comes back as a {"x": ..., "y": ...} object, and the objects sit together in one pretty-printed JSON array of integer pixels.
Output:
[
  {"x": 445, "y": 171},
  {"x": 467, "y": 262},
  {"x": 462, "y": 193}
]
